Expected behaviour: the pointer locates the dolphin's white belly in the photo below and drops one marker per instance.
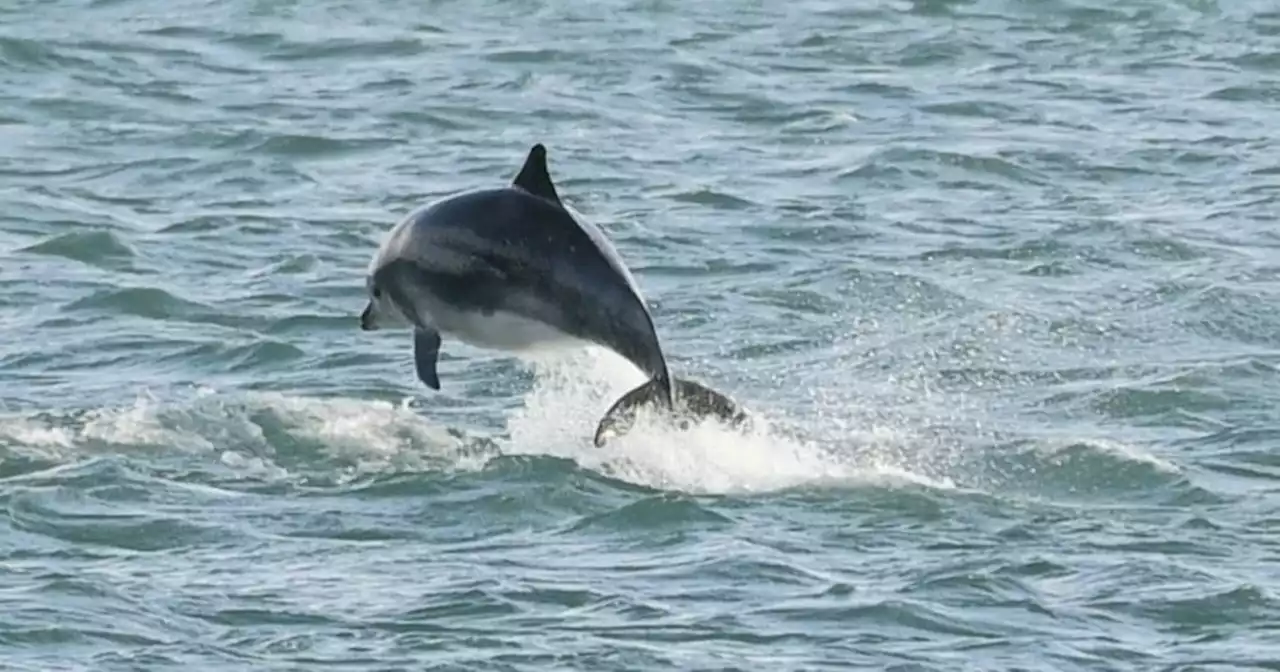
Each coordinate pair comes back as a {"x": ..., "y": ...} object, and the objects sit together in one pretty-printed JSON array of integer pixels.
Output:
[{"x": 500, "y": 330}]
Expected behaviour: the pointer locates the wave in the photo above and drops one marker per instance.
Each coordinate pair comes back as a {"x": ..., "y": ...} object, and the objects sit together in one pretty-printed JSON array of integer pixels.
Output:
[{"x": 369, "y": 447}]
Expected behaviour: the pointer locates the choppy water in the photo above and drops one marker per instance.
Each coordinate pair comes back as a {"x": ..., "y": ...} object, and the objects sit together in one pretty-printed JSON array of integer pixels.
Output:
[{"x": 1001, "y": 275}]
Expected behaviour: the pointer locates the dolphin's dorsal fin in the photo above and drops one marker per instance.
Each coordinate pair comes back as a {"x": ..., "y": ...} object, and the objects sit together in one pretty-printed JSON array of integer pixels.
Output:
[{"x": 534, "y": 177}]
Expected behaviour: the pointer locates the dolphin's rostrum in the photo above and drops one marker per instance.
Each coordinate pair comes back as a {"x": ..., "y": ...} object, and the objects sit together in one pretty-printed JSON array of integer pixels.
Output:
[{"x": 512, "y": 268}]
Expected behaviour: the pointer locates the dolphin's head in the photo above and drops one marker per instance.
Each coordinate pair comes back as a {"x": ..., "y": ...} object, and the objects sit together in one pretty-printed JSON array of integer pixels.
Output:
[{"x": 381, "y": 312}]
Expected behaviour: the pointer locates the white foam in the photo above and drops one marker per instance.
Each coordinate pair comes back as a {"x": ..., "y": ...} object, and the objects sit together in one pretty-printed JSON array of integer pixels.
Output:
[
  {"x": 36, "y": 435},
  {"x": 372, "y": 436},
  {"x": 353, "y": 427},
  {"x": 574, "y": 389},
  {"x": 139, "y": 426},
  {"x": 558, "y": 417},
  {"x": 1124, "y": 451},
  {"x": 40, "y": 437}
]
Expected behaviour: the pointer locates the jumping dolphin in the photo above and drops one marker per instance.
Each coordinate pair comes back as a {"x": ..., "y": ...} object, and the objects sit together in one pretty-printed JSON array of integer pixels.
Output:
[{"x": 513, "y": 269}]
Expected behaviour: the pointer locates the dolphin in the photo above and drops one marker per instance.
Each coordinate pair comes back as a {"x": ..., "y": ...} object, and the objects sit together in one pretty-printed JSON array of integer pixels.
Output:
[{"x": 514, "y": 269}]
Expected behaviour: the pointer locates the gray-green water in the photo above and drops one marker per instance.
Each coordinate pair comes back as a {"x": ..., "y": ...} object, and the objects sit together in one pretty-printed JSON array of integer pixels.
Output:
[{"x": 1001, "y": 274}]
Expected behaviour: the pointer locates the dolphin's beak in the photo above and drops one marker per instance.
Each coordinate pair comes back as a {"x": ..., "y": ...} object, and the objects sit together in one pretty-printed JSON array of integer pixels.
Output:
[{"x": 366, "y": 319}]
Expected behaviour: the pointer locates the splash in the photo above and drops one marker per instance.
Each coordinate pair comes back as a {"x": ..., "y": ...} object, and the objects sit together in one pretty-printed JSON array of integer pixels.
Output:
[
  {"x": 259, "y": 437},
  {"x": 572, "y": 390},
  {"x": 897, "y": 434},
  {"x": 256, "y": 436}
]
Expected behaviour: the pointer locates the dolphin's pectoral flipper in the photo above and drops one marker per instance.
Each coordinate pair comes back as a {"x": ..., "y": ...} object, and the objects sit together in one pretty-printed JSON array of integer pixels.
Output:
[
  {"x": 426, "y": 352},
  {"x": 694, "y": 401}
]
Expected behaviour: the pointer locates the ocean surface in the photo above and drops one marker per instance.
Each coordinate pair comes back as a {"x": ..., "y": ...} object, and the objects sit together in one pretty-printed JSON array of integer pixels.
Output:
[{"x": 999, "y": 279}]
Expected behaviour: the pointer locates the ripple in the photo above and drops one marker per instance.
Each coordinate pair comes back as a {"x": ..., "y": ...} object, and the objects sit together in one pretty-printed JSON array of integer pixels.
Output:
[
  {"x": 1246, "y": 93},
  {"x": 712, "y": 198},
  {"x": 81, "y": 520},
  {"x": 146, "y": 302},
  {"x": 458, "y": 604},
  {"x": 653, "y": 513},
  {"x": 37, "y": 55},
  {"x": 339, "y": 48},
  {"x": 1088, "y": 469},
  {"x": 974, "y": 108},
  {"x": 953, "y": 168},
  {"x": 104, "y": 249},
  {"x": 301, "y": 146},
  {"x": 309, "y": 324},
  {"x": 1242, "y": 604},
  {"x": 884, "y": 615},
  {"x": 1134, "y": 403},
  {"x": 262, "y": 356}
]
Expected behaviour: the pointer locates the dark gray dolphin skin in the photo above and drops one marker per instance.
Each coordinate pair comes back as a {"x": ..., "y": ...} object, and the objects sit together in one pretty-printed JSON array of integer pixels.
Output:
[{"x": 512, "y": 268}]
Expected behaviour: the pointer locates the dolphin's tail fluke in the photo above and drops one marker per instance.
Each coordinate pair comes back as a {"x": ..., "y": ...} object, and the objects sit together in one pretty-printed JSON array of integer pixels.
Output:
[{"x": 693, "y": 401}]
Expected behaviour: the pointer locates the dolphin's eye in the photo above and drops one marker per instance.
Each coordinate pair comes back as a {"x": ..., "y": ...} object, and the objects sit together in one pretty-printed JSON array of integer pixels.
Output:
[{"x": 377, "y": 292}]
